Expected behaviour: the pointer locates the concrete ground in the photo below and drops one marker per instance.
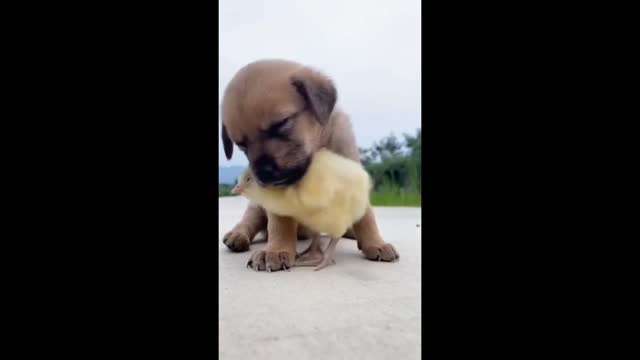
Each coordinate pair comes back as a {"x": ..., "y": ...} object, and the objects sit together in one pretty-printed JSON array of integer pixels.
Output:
[{"x": 356, "y": 309}]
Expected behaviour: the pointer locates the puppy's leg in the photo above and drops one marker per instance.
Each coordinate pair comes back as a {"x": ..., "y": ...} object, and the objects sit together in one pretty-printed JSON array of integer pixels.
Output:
[
  {"x": 280, "y": 252},
  {"x": 350, "y": 234},
  {"x": 253, "y": 221},
  {"x": 370, "y": 242},
  {"x": 304, "y": 232}
]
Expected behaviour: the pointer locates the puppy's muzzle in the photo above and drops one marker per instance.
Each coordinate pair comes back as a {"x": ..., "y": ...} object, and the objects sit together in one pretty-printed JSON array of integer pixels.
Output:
[{"x": 267, "y": 172}]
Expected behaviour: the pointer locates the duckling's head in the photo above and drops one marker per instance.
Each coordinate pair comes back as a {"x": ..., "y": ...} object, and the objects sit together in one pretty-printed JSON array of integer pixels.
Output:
[{"x": 245, "y": 184}]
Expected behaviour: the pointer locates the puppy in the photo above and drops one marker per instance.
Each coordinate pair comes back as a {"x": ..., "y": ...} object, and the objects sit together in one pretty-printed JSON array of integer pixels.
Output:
[{"x": 279, "y": 113}]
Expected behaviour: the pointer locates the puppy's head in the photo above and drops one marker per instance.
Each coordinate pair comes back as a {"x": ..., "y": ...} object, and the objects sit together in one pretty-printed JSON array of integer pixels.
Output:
[{"x": 275, "y": 111}]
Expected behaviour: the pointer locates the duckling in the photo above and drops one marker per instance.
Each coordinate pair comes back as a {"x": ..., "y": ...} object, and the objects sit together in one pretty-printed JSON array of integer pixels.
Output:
[{"x": 330, "y": 198}]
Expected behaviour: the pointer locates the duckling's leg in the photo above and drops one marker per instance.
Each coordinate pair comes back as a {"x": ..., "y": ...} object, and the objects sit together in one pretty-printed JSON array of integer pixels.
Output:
[
  {"x": 313, "y": 255},
  {"x": 328, "y": 259}
]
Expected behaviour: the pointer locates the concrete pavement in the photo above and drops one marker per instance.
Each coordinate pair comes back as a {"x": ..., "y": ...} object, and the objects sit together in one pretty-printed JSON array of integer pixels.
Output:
[{"x": 356, "y": 309}]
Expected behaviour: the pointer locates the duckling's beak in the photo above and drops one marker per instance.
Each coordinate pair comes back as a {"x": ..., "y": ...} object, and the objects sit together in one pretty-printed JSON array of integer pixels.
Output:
[{"x": 237, "y": 189}]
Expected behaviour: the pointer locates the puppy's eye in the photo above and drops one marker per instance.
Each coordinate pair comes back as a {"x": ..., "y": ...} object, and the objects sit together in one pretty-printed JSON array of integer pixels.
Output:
[{"x": 280, "y": 127}]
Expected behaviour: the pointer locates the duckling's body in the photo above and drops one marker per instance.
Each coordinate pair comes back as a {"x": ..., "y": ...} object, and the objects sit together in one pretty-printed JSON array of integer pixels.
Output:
[{"x": 332, "y": 196}]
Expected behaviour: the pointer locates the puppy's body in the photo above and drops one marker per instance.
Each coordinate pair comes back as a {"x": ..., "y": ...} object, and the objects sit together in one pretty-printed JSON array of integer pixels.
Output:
[{"x": 280, "y": 113}]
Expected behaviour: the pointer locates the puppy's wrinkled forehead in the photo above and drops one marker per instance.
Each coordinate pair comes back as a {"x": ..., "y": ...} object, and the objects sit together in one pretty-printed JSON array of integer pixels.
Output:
[{"x": 260, "y": 94}]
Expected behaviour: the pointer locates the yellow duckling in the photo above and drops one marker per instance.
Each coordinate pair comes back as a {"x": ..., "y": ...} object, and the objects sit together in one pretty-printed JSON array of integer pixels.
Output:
[{"x": 330, "y": 198}]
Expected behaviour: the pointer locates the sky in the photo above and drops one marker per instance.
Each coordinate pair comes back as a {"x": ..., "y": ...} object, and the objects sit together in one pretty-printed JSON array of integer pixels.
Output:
[{"x": 370, "y": 48}]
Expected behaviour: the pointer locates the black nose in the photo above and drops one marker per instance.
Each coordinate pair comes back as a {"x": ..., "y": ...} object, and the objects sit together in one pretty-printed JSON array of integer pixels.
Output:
[{"x": 266, "y": 170}]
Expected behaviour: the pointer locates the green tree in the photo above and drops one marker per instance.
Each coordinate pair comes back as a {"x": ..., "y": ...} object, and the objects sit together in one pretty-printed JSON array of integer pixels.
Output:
[
  {"x": 414, "y": 143},
  {"x": 388, "y": 147},
  {"x": 367, "y": 156},
  {"x": 394, "y": 164}
]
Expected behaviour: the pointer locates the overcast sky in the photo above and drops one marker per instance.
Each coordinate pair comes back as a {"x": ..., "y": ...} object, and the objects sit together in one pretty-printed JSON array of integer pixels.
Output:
[{"x": 370, "y": 48}]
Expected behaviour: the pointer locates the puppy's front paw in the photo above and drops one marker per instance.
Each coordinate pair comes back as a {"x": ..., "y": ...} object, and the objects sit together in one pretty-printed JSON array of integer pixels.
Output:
[
  {"x": 265, "y": 260},
  {"x": 236, "y": 241},
  {"x": 381, "y": 252}
]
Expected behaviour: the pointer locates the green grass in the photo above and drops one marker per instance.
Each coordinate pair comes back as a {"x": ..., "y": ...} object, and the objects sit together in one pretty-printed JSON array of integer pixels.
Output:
[
  {"x": 396, "y": 197},
  {"x": 224, "y": 190}
]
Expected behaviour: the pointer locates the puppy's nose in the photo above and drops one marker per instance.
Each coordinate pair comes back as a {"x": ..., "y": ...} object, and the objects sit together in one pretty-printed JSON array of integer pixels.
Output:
[{"x": 266, "y": 170}]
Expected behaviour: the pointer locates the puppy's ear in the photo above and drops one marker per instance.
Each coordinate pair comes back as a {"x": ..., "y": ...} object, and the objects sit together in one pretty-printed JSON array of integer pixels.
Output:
[
  {"x": 228, "y": 145},
  {"x": 318, "y": 92}
]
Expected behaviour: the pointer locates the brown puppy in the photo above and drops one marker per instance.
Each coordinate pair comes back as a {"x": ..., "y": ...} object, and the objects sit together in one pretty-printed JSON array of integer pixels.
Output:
[{"x": 279, "y": 113}]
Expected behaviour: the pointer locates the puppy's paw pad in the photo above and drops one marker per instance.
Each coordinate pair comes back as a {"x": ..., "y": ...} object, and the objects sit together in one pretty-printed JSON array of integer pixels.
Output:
[
  {"x": 236, "y": 241},
  {"x": 257, "y": 261},
  {"x": 271, "y": 261},
  {"x": 384, "y": 252}
]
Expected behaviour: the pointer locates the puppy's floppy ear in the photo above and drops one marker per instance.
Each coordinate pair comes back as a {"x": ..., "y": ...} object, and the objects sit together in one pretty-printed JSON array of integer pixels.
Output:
[
  {"x": 228, "y": 145},
  {"x": 318, "y": 92}
]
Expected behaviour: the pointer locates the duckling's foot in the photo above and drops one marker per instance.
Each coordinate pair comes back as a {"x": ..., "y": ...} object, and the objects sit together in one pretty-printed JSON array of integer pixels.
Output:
[
  {"x": 309, "y": 257},
  {"x": 313, "y": 255},
  {"x": 326, "y": 261}
]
